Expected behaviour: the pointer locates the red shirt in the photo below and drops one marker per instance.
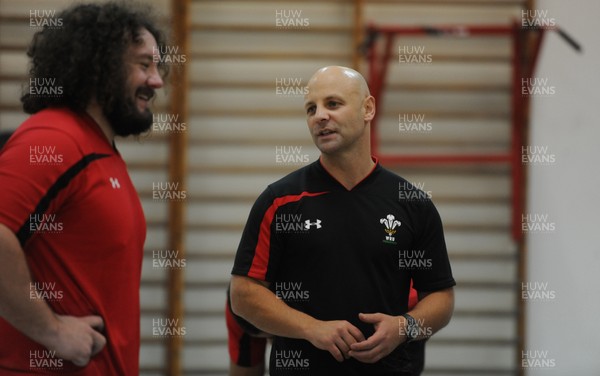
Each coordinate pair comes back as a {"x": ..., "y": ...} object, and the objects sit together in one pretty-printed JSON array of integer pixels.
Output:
[{"x": 66, "y": 193}]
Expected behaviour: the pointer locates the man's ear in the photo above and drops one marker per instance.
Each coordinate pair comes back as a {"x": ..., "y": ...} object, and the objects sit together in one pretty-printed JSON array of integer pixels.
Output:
[{"x": 369, "y": 106}]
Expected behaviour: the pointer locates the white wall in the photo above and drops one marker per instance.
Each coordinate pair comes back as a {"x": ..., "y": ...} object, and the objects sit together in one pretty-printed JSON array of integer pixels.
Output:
[{"x": 568, "y": 191}]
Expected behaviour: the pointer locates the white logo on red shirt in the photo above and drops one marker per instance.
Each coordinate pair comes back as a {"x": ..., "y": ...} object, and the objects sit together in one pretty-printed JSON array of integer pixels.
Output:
[{"x": 115, "y": 183}]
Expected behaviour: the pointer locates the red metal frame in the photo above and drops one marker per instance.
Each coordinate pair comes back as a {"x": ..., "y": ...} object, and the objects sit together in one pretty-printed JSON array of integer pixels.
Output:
[{"x": 522, "y": 66}]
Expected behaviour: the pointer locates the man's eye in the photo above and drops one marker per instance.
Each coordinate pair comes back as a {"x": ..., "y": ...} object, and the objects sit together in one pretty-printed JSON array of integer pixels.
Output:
[
  {"x": 310, "y": 110},
  {"x": 333, "y": 104}
]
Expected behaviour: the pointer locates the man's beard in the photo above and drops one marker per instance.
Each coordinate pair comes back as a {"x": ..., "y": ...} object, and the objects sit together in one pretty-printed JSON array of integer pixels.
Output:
[{"x": 124, "y": 117}]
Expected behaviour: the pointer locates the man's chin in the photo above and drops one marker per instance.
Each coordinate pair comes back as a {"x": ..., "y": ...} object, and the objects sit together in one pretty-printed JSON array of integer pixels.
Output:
[
  {"x": 132, "y": 127},
  {"x": 130, "y": 120},
  {"x": 328, "y": 147}
]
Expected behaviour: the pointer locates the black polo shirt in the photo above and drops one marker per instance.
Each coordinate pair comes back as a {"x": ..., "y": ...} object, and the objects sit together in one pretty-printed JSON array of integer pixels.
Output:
[{"x": 334, "y": 253}]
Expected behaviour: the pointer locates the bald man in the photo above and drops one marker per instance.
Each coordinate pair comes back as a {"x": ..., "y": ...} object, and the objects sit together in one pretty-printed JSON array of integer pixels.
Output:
[{"x": 328, "y": 252}]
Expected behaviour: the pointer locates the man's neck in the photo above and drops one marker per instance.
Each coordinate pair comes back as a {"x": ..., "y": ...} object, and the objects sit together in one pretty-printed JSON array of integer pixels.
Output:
[
  {"x": 348, "y": 170},
  {"x": 95, "y": 111}
]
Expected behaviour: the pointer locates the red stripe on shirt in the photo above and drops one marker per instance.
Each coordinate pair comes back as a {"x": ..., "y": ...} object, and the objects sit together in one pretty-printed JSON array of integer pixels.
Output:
[{"x": 260, "y": 262}]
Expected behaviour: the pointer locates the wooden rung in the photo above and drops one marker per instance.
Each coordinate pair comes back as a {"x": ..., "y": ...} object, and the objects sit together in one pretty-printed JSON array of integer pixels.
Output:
[
  {"x": 198, "y": 285},
  {"x": 447, "y": 227},
  {"x": 269, "y": 28},
  {"x": 484, "y": 3},
  {"x": 202, "y": 255},
  {"x": 19, "y": 108},
  {"x": 153, "y": 282},
  {"x": 160, "y": 370},
  {"x": 10, "y": 18},
  {"x": 470, "y": 170},
  {"x": 153, "y": 312},
  {"x": 11, "y": 108},
  {"x": 499, "y": 170},
  {"x": 147, "y": 166},
  {"x": 443, "y": 341},
  {"x": 334, "y": 55},
  {"x": 457, "y": 313},
  {"x": 305, "y": 141},
  {"x": 217, "y": 198},
  {"x": 455, "y": 115},
  {"x": 299, "y": 113},
  {"x": 456, "y": 144},
  {"x": 467, "y": 371},
  {"x": 12, "y": 77},
  {"x": 484, "y": 313},
  {"x": 484, "y": 285},
  {"x": 147, "y": 340},
  {"x": 149, "y": 138},
  {"x": 255, "y": 112},
  {"x": 242, "y": 169},
  {"x": 23, "y": 18},
  {"x": 462, "y": 87},
  {"x": 424, "y": 86},
  {"x": 494, "y": 256},
  {"x": 190, "y": 285},
  {"x": 464, "y": 59},
  {"x": 421, "y": 87},
  {"x": 267, "y": 55},
  {"x": 232, "y": 140}
]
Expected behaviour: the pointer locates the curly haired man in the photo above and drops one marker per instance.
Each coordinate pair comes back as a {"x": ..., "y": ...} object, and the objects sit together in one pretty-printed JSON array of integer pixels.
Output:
[{"x": 72, "y": 227}]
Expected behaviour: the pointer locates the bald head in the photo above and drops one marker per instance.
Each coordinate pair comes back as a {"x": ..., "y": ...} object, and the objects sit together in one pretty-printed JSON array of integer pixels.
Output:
[
  {"x": 337, "y": 82},
  {"x": 345, "y": 78}
]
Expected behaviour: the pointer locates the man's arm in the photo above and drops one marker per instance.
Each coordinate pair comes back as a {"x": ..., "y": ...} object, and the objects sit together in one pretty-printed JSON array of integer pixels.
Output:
[
  {"x": 434, "y": 310},
  {"x": 73, "y": 338},
  {"x": 253, "y": 301},
  {"x": 432, "y": 313}
]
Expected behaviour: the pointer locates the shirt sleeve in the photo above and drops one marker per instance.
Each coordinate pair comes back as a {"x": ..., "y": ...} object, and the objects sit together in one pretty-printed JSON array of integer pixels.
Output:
[
  {"x": 31, "y": 164},
  {"x": 430, "y": 241},
  {"x": 260, "y": 246}
]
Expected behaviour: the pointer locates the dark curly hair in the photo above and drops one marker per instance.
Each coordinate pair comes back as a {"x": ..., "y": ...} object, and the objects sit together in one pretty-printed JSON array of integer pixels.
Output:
[{"x": 84, "y": 56}]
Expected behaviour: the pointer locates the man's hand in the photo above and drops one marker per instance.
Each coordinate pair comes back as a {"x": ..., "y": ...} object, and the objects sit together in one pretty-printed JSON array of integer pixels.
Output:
[
  {"x": 335, "y": 337},
  {"x": 76, "y": 339},
  {"x": 73, "y": 338},
  {"x": 385, "y": 339}
]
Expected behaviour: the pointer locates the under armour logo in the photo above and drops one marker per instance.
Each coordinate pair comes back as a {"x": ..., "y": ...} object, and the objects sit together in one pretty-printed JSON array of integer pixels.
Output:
[
  {"x": 115, "y": 183},
  {"x": 308, "y": 224}
]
